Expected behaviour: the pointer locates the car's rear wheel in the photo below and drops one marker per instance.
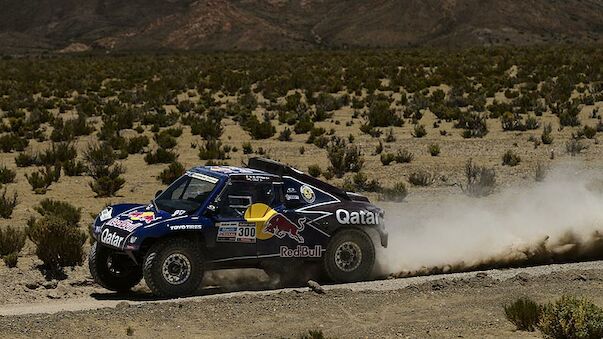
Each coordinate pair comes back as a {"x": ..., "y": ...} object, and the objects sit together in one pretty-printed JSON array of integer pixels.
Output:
[
  {"x": 174, "y": 268},
  {"x": 113, "y": 271},
  {"x": 350, "y": 256}
]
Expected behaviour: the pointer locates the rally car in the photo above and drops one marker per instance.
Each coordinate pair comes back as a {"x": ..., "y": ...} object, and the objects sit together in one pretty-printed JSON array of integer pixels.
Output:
[{"x": 266, "y": 215}]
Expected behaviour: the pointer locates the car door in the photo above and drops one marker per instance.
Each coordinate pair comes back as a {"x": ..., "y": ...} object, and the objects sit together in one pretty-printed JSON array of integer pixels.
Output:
[{"x": 235, "y": 237}]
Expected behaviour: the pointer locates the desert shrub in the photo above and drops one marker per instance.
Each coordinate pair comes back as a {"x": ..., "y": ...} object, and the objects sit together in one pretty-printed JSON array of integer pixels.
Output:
[
  {"x": 571, "y": 317},
  {"x": 419, "y": 131},
  {"x": 344, "y": 158},
  {"x": 43, "y": 178},
  {"x": 160, "y": 156},
  {"x": 73, "y": 168},
  {"x": 25, "y": 160},
  {"x": 313, "y": 334},
  {"x": 387, "y": 158},
  {"x": 303, "y": 125},
  {"x": 61, "y": 209},
  {"x": 12, "y": 142},
  {"x": 546, "y": 136},
  {"x": 174, "y": 171},
  {"x": 575, "y": 147},
  {"x": 474, "y": 125},
  {"x": 209, "y": 127},
  {"x": 381, "y": 115},
  {"x": 379, "y": 148},
  {"x": 212, "y": 149},
  {"x": 434, "y": 150},
  {"x": 362, "y": 183},
  {"x": 104, "y": 171},
  {"x": 481, "y": 181},
  {"x": 58, "y": 242},
  {"x": 11, "y": 259},
  {"x": 7, "y": 175},
  {"x": 247, "y": 148},
  {"x": 421, "y": 178},
  {"x": 511, "y": 158},
  {"x": 57, "y": 153},
  {"x": 285, "y": 135},
  {"x": 12, "y": 240},
  {"x": 314, "y": 170},
  {"x": 404, "y": 156},
  {"x": 259, "y": 130},
  {"x": 137, "y": 144},
  {"x": 523, "y": 313},
  {"x": 397, "y": 193},
  {"x": 390, "y": 137},
  {"x": 165, "y": 140},
  {"x": 7, "y": 204},
  {"x": 589, "y": 132},
  {"x": 539, "y": 172}
]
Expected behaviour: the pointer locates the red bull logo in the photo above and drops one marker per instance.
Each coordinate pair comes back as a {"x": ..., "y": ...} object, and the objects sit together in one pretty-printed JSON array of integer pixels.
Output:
[
  {"x": 270, "y": 223},
  {"x": 147, "y": 216},
  {"x": 281, "y": 226}
]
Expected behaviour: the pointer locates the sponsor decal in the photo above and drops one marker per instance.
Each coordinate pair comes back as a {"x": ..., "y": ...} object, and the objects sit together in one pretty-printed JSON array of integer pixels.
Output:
[
  {"x": 146, "y": 216},
  {"x": 357, "y": 217},
  {"x": 301, "y": 251},
  {"x": 133, "y": 239},
  {"x": 236, "y": 232},
  {"x": 202, "y": 177},
  {"x": 106, "y": 214},
  {"x": 291, "y": 190},
  {"x": 256, "y": 178},
  {"x": 110, "y": 238},
  {"x": 185, "y": 227},
  {"x": 308, "y": 194},
  {"x": 291, "y": 196},
  {"x": 178, "y": 213},
  {"x": 126, "y": 224},
  {"x": 280, "y": 226}
]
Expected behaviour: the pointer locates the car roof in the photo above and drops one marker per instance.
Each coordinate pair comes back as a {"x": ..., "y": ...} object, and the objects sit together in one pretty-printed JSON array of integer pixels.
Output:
[{"x": 231, "y": 171}]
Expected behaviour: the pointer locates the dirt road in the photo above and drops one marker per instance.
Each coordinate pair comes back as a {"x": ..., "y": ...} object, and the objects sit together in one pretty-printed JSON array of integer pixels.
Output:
[{"x": 464, "y": 304}]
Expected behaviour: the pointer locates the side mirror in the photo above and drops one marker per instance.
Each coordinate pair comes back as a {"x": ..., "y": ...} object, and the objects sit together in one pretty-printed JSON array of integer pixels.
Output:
[{"x": 158, "y": 193}]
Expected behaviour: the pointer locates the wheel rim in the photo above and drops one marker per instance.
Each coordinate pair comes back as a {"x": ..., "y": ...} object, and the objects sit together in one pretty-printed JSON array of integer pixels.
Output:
[
  {"x": 348, "y": 256},
  {"x": 176, "y": 269}
]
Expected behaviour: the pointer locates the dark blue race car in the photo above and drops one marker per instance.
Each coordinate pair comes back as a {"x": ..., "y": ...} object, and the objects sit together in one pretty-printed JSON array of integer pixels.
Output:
[{"x": 266, "y": 215}]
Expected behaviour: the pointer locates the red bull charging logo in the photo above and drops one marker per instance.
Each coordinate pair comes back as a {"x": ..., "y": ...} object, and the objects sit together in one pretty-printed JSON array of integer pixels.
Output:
[
  {"x": 147, "y": 217},
  {"x": 270, "y": 223}
]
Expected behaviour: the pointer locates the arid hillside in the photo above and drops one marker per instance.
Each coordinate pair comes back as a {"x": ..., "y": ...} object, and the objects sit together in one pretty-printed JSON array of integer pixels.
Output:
[{"x": 67, "y": 25}]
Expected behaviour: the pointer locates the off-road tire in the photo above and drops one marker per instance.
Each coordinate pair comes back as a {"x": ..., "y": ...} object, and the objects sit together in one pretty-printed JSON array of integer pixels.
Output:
[
  {"x": 352, "y": 238},
  {"x": 98, "y": 263},
  {"x": 154, "y": 265}
]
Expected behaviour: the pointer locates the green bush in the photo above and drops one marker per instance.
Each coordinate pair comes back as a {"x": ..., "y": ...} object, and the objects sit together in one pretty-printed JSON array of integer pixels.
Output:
[
  {"x": 419, "y": 131},
  {"x": 212, "y": 150},
  {"x": 61, "y": 209},
  {"x": 546, "y": 136},
  {"x": 571, "y": 317},
  {"x": 397, "y": 193},
  {"x": 7, "y": 204},
  {"x": 524, "y": 313},
  {"x": 421, "y": 178},
  {"x": 247, "y": 148},
  {"x": 12, "y": 240},
  {"x": 160, "y": 156},
  {"x": 343, "y": 158},
  {"x": 7, "y": 175},
  {"x": 434, "y": 150},
  {"x": 11, "y": 260},
  {"x": 25, "y": 160},
  {"x": 511, "y": 158},
  {"x": 165, "y": 140},
  {"x": 73, "y": 168},
  {"x": 387, "y": 158},
  {"x": 137, "y": 144},
  {"x": 174, "y": 171},
  {"x": 404, "y": 156},
  {"x": 314, "y": 170},
  {"x": 58, "y": 242},
  {"x": 259, "y": 130},
  {"x": 481, "y": 181},
  {"x": 574, "y": 147},
  {"x": 285, "y": 135},
  {"x": 104, "y": 171}
]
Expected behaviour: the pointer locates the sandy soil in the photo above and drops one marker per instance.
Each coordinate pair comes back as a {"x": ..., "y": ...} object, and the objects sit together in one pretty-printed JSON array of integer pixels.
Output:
[{"x": 458, "y": 305}]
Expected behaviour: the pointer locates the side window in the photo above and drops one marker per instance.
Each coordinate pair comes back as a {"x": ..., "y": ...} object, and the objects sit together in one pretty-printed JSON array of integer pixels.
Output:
[{"x": 239, "y": 195}]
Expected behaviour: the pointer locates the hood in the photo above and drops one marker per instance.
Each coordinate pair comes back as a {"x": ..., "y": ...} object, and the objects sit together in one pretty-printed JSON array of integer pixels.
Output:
[{"x": 115, "y": 224}]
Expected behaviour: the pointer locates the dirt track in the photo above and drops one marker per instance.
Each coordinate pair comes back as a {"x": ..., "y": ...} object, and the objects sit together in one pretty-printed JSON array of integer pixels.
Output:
[{"x": 465, "y": 304}]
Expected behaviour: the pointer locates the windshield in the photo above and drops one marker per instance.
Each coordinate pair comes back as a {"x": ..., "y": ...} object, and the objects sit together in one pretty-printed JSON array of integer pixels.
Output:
[{"x": 186, "y": 193}]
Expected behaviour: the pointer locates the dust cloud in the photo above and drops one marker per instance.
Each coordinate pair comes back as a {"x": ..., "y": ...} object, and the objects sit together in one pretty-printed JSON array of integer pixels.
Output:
[{"x": 558, "y": 220}]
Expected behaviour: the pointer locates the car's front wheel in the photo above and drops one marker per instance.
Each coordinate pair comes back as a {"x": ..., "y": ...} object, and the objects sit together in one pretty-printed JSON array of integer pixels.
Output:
[
  {"x": 174, "y": 268},
  {"x": 350, "y": 256},
  {"x": 112, "y": 271}
]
